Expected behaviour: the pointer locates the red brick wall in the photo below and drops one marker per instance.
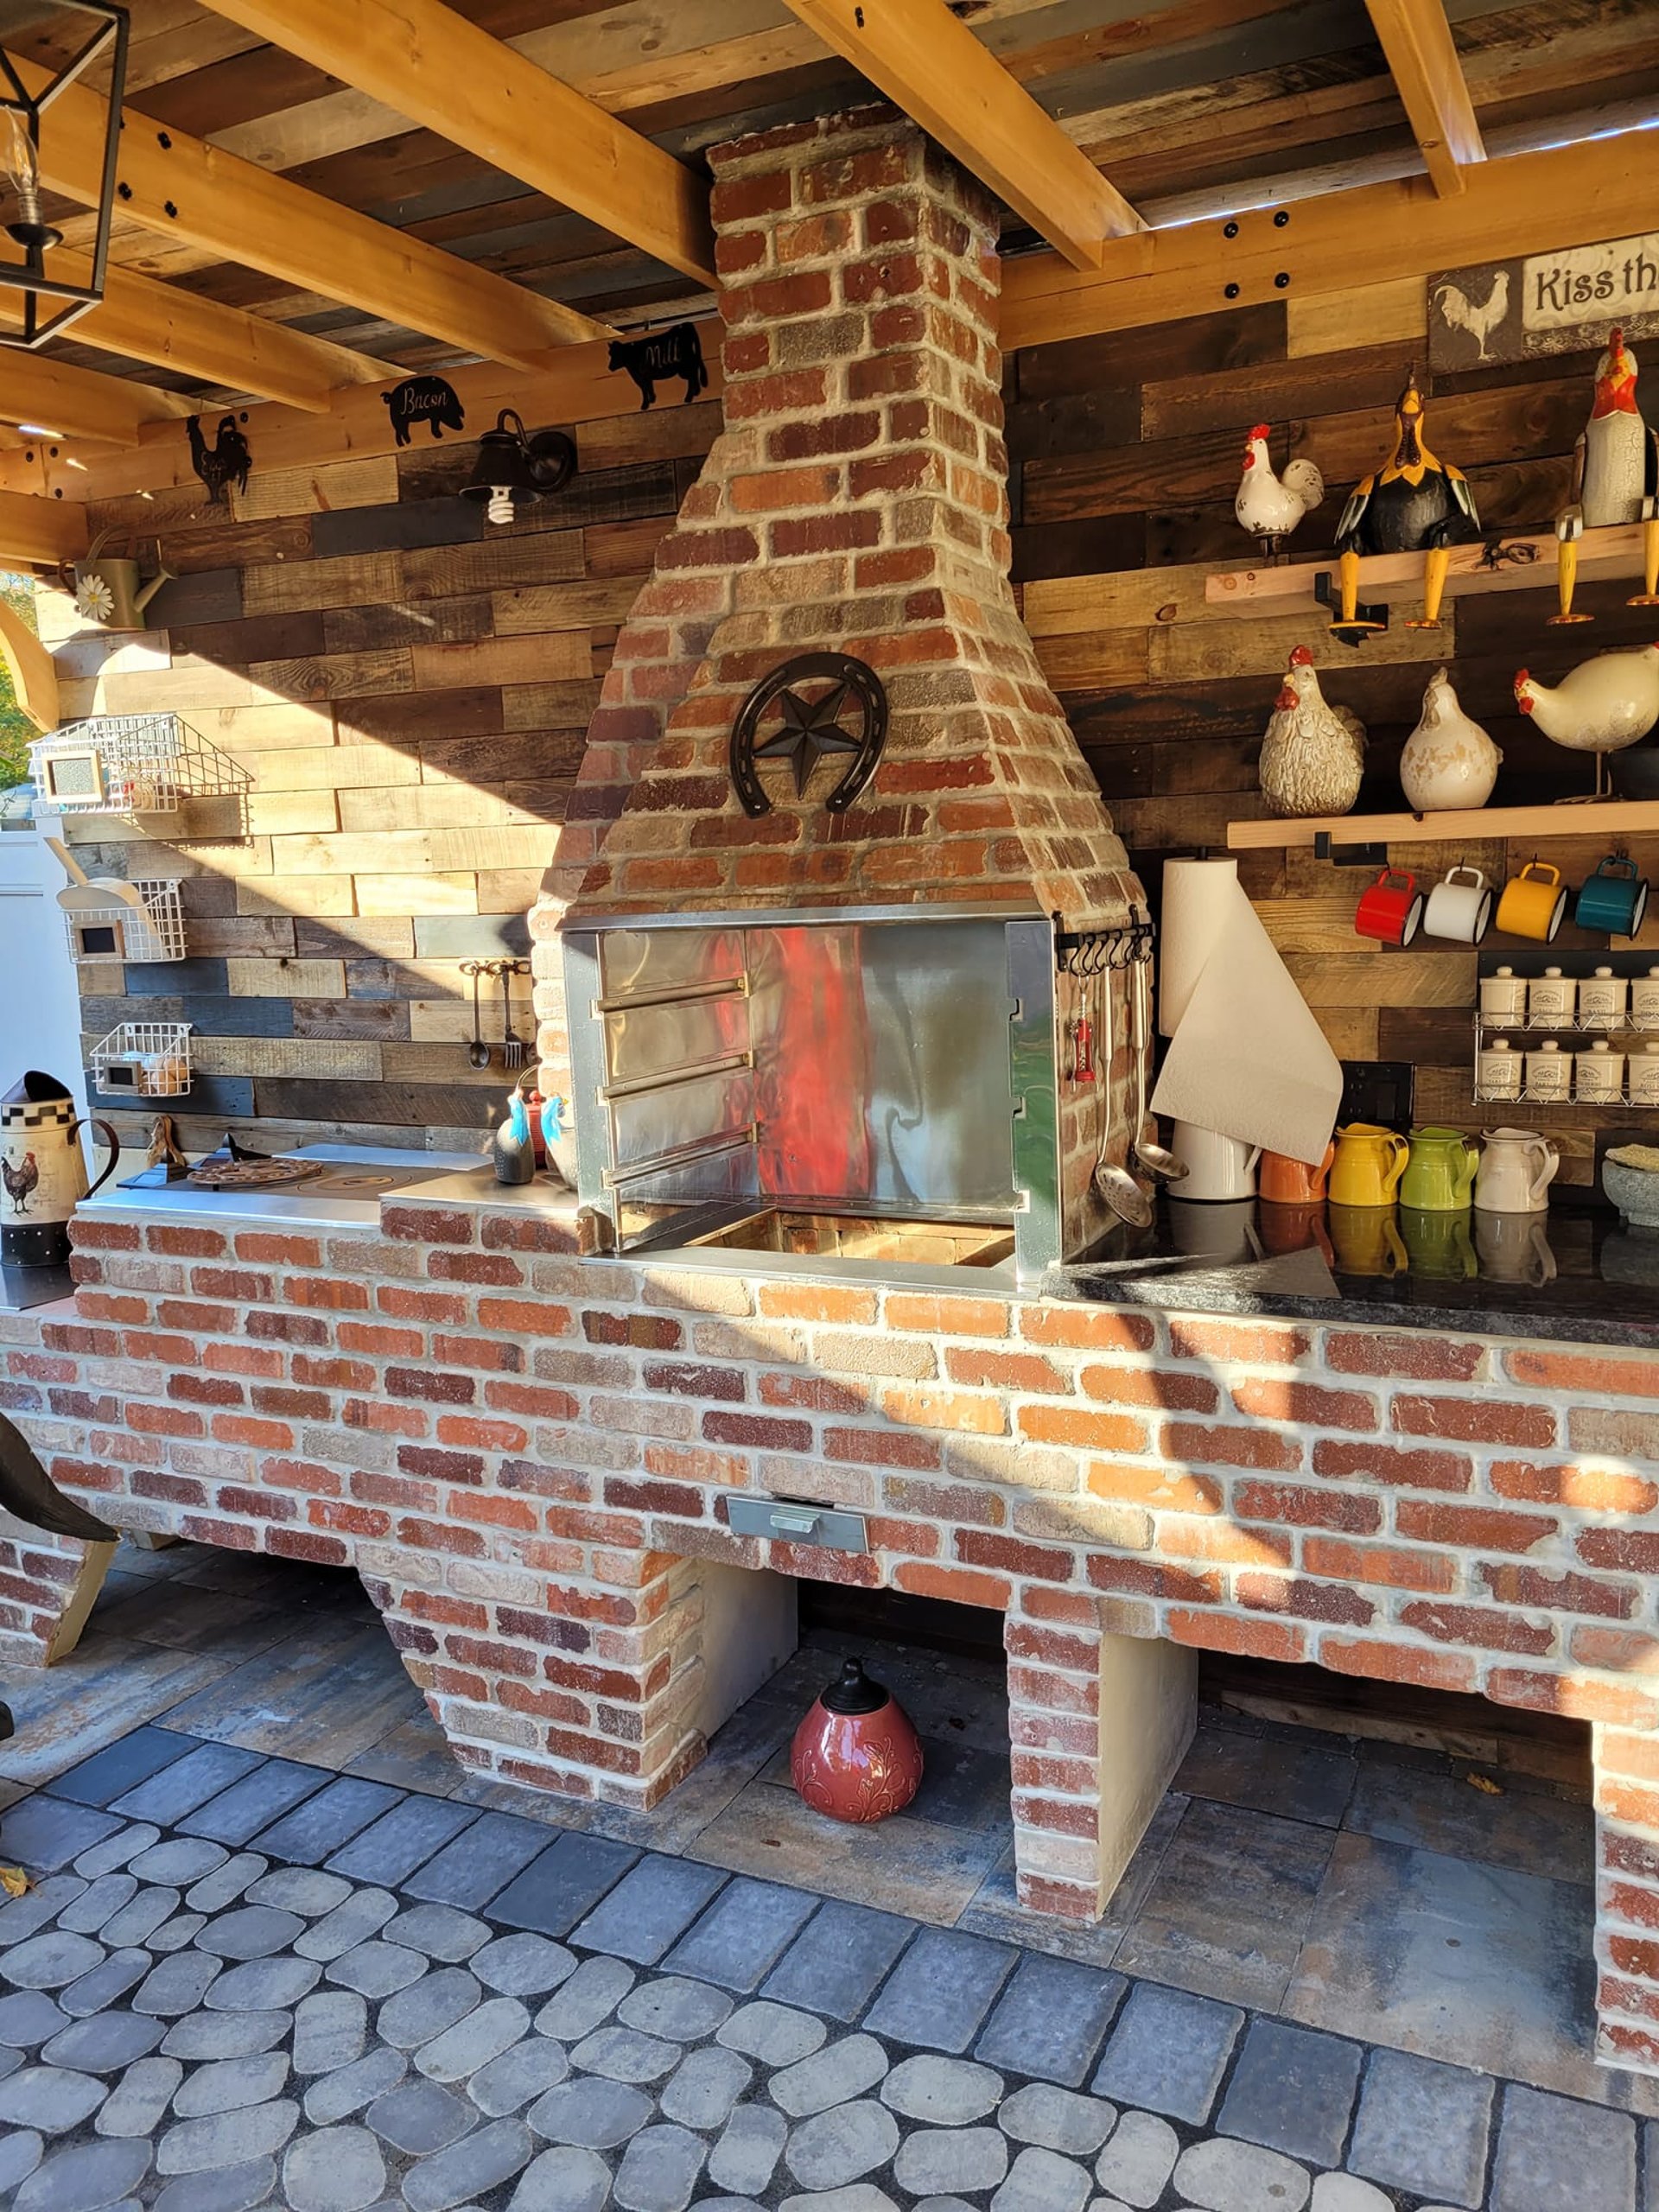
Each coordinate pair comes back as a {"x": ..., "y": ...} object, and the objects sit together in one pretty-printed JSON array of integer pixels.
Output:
[{"x": 523, "y": 1455}]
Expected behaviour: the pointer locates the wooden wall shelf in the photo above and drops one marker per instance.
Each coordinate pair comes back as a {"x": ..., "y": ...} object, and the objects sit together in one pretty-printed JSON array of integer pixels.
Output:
[
  {"x": 1614, "y": 552},
  {"x": 1599, "y": 818}
]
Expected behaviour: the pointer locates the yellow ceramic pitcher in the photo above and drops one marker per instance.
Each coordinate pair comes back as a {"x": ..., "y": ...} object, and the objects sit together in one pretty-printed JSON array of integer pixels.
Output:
[{"x": 1369, "y": 1164}]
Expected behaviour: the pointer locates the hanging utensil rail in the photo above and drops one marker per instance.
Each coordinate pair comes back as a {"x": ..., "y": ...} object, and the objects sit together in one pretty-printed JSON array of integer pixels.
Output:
[{"x": 1092, "y": 952}]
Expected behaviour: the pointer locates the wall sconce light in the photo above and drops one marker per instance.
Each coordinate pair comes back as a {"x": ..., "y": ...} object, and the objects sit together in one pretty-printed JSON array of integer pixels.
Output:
[
  {"x": 516, "y": 467},
  {"x": 20, "y": 217}
]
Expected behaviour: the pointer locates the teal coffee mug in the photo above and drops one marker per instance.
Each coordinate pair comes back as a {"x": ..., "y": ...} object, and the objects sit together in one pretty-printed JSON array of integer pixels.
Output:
[{"x": 1614, "y": 898}]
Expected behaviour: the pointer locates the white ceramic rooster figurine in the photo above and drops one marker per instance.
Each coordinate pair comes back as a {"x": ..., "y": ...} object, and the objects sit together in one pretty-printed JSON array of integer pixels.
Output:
[
  {"x": 1601, "y": 707},
  {"x": 1312, "y": 754},
  {"x": 1270, "y": 506},
  {"x": 1615, "y": 469}
]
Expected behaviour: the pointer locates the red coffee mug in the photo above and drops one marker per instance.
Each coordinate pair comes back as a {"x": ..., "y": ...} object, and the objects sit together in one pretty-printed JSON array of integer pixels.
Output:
[{"x": 1391, "y": 909}]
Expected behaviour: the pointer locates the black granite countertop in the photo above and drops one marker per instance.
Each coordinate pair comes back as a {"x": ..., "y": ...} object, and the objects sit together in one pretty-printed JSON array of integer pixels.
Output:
[{"x": 1575, "y": 1275}]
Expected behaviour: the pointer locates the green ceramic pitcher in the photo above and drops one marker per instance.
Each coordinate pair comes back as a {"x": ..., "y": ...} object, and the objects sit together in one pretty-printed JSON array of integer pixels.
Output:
[{"x": 1440, "y": 1175}]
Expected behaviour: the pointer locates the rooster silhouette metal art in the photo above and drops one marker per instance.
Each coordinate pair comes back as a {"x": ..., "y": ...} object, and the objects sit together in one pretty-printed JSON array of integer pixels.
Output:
[{"x": 226, "y": 462}]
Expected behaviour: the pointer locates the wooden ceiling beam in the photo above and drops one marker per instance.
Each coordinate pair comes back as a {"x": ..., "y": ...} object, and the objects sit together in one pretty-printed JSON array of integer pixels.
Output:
[
  {"x": 71, "y": 403},
  {"x": 927, "y": 60},
  {"x": 182, "y": 188},
  {"x": 445, "y": 75},
  {"x": 1423, "y": 57},
  {"x": 146, "y": 320},
  {"x": 37, "y": 532},
  {"x": 1523, "y": 204}
]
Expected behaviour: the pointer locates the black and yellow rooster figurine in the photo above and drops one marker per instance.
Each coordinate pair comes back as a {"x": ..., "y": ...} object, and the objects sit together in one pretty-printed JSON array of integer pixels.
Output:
[{"x": 1415, "y": 504}]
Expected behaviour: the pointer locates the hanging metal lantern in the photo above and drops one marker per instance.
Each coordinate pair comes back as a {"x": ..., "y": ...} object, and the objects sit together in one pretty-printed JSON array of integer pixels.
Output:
[
  {"x": 51, "y": 302},
  {"x": 516, "y": 467}
]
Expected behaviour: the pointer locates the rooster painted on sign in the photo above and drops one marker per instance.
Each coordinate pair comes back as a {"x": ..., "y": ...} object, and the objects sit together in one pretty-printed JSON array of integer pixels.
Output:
[{"x": 1459, "y": 312}]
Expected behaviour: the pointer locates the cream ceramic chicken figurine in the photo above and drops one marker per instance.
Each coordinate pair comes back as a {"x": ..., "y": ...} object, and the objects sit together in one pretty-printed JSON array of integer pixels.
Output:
[
  {"x": 1601, "y": 707},
  {"x": 1312, "y": 754},
  {"x": 1615, "y": 476},
  {"x": 1449, "y": 760},
  {"x": 1270, "y": 506}
]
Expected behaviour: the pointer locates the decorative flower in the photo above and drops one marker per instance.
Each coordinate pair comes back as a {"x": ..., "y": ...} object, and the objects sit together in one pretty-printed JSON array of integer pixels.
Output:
[{"x": 94, "y": 599}]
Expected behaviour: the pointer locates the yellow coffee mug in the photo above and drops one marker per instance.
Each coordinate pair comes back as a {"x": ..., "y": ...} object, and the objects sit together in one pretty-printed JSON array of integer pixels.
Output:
[{"x": 1534, "y": 903}]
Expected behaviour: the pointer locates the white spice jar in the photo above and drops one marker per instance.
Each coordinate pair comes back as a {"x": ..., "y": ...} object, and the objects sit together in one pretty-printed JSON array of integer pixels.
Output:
[
  {"x": 1601, "y": 1000},
  {"x": 1504, "y": 997},
  {"x": 1498, "y": 1070},
  {"x": 1644, "y": 1076},
  {"x": 1550, "y": 1071},
  {"x": 1599, "y": 1074},
  {"x": 1644, "y": 999},
  {"x": 1551, "y": 999}
]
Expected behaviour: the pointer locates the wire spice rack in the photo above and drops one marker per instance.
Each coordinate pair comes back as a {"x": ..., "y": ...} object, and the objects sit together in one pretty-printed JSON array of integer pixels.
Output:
[
  {"x": 104, "y": 929},
  {"x": 131, "y": 763},
  {"x": 145, "y": 1059}
]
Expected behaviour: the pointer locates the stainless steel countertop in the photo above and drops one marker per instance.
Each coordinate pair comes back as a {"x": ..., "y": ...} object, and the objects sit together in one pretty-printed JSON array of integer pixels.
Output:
[{"x": 306, "y": 1204}]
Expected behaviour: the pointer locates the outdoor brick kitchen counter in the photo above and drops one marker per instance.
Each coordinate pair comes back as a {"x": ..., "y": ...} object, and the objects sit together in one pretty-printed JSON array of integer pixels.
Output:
[{"x": 528, "y": 1456}]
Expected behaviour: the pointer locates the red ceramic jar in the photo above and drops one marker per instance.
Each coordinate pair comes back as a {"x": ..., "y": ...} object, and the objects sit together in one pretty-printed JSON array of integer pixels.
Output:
[{"x": 856, "y": 1756}]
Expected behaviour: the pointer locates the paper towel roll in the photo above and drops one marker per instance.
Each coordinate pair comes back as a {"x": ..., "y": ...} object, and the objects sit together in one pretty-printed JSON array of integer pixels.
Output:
[
  {"x": 1197, "y": 905},
  {"x": 1249, "y": 1058}
]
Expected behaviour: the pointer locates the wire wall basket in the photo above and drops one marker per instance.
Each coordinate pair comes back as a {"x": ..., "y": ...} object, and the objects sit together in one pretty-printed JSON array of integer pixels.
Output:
[
  {"x": 131, "y": 763},
  {"x": 101, "y": 928},
  {"x": 145, "y": 1059}
]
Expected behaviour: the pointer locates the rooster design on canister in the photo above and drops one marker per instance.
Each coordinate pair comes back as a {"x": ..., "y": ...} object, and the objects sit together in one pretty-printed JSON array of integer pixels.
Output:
[
  {"x": 1415, "y": 504},
  {"x": 19, "y": 1181},
  {"x": 1615, "y": 476}
]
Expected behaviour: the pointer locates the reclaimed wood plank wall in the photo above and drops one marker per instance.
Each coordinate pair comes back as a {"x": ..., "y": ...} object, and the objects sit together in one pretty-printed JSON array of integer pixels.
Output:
[
  {"x": 408, "y": 690},
  {"x": 1127, "y": 451}
]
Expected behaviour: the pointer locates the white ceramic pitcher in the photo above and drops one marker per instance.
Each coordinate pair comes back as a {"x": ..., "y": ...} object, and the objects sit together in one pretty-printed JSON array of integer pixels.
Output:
[
  {"x": 1219, "y": 1169},
  {"x": 1516, "y": 1170}
]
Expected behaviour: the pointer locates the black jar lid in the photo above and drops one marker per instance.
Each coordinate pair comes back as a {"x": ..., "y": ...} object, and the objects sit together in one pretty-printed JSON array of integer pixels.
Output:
[{"x": 853, "y": 1692}]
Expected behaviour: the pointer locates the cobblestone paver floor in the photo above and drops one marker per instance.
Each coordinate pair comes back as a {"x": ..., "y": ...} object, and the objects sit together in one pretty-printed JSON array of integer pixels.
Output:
[{"x": 283, "y": 1987}]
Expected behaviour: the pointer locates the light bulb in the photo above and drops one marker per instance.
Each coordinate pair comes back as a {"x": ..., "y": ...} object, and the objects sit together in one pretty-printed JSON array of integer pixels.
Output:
[
  {"x": 23, "y": 168},
  {"x": 500, "y": 507}
]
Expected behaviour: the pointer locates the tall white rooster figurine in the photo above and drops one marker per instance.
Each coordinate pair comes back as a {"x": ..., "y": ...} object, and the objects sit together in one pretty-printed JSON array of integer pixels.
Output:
[
  {"x": 1270, "y": 506},
  {"x": 1615, "y": 476}
]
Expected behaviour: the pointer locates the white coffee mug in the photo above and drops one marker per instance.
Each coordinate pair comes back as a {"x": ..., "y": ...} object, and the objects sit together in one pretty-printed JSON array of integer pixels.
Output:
[
  {"x": 1460, "y": 906},
  {"x": 1218, "y": 1169}
]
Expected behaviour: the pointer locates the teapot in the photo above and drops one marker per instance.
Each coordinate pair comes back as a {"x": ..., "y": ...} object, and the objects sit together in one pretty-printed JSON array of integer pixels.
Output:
[
  {"x": 42, "y": 1170},
  {"x": 1440, "y": 1175},
  {"x": 1516, "y": 1170},
  {"x": 109, "y": 588},
  {"x": 1369, "y": 1164}
]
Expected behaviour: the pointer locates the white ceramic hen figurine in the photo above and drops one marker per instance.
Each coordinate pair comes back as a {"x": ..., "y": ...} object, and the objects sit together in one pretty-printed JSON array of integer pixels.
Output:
[
  {"x": 1449, "y": 760},
  {"x": 1270, "y": 506},
  {"x": 1313, "y": 753},
  {"x": 1601, "y": 707}
]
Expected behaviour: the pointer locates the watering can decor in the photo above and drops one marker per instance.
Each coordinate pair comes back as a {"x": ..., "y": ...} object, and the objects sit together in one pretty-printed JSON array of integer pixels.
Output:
[{"x": 109, "y": 588}]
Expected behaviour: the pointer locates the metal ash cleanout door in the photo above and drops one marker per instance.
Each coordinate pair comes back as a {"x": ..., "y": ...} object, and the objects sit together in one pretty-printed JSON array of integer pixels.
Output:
[{"x": 891, "y": 1062}]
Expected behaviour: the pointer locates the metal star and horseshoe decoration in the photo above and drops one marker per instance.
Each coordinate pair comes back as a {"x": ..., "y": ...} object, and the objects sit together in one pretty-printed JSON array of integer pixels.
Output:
[{"x": 850, "y": 719}]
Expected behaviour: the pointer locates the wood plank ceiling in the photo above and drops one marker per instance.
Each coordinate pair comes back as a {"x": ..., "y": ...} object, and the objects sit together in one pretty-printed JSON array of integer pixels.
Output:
[{"x": 1188, "y": 109}]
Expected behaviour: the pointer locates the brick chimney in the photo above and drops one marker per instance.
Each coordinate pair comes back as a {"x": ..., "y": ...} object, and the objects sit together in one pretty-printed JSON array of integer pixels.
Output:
[{"x": 857, "y": 501}]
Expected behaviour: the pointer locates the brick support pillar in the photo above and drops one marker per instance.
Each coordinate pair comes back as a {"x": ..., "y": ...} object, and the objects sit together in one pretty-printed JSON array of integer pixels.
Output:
[
  {"x": 1099, "y": 1722},
  {"x": 1627, "y": 1899}
]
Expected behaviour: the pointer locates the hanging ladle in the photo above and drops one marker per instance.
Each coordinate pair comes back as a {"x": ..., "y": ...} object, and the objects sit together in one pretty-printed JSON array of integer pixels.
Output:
[
  {"x": 477, "y": 1052},
  {"x": 1163, "y": 1166},
  {"x": 1129, "y": 1200}
]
